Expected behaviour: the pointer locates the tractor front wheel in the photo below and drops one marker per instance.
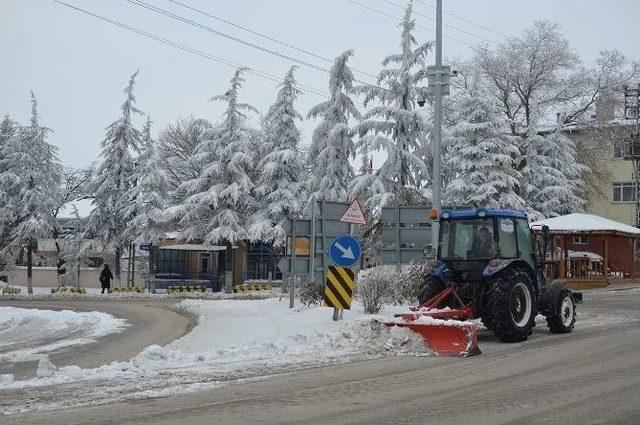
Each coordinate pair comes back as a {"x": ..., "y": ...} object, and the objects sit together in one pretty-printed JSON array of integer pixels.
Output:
[
  {"x": 563, "y": 317},
  {"x": 429, "y": 289},
  {"x": 512, "y": 305}
]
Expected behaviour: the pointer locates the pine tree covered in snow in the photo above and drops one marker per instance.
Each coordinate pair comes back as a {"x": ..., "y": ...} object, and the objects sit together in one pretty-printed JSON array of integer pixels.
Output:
[
  {"x": 113, "y": 180},
  {"x": 35, "y": 162},
  {"x": 177, "y": 145},
  {"x": 280, "y": 170},
  {"x": 552, "y": 175},
  {"x": 149, "y": 195},
  {"x": 332, "y": 145},
  {"x": 480, "y": 156},
  {"x": 394, "y": 124},
  {"x": 561, "y": 151},
  {"x": 8, "y": 179},
  {"x": 220, "y": 200}
]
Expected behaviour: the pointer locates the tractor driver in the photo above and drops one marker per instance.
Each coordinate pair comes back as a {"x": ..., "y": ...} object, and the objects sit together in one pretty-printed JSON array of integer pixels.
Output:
[{"x": 482, "y": 246}]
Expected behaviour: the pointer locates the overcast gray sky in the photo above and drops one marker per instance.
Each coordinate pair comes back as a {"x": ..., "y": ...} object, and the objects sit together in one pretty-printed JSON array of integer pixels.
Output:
[{"x": 78, "y": 66}]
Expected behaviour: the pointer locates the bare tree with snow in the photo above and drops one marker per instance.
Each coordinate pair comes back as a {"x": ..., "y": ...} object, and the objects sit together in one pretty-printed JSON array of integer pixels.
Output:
[
  {"x": 536, "y": 68},
  {"x": 113, "y": 180},
  {"x": 332, "y": 146},
  {"x": 393, "y": 124},
  {"x": 280, "y": 170}
]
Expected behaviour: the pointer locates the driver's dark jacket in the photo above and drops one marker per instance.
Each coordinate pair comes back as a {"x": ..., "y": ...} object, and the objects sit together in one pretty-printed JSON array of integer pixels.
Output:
[{"x": 481, "y": 249}]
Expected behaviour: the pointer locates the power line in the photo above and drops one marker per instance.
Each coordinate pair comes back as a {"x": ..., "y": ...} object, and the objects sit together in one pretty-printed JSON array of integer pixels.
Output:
[
  {"x": 239, "y": 40},
  {"x": 468, "y": 21},
  {"x": 258, "y": 73},
  {"x": 223, "y": 34},
  {"x": 446, "y": 25},
  {"x": 396, "y": 18},
  {"x": 265, "y": 36}
]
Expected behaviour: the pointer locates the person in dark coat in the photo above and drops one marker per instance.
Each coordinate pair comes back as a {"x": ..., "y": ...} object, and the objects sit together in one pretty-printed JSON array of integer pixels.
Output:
[
  {"x": 105, "y": 279},
  {"x": 482, "y": 246}
]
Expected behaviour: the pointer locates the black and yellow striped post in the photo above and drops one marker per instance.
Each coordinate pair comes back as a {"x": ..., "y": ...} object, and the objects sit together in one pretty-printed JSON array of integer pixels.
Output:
[{"x": 338, "y": 289}]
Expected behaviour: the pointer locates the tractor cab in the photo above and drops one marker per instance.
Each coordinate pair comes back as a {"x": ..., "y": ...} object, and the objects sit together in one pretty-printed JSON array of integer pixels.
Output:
[{"x": 472, "y": 241}]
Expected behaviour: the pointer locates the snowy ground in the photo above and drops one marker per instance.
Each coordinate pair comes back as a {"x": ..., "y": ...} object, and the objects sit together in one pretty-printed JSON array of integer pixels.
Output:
[
  {"x": 29, "y": 334},
  {"x": 233, "y": 340}
]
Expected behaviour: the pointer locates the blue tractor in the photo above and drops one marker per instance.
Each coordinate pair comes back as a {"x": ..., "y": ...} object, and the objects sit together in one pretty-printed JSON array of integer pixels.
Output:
[{"x": 490, "y": 265}]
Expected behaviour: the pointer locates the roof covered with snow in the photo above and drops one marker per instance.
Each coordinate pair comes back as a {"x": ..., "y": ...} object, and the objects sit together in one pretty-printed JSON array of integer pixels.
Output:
[
  {"x": 82, "y": 207},
  {"x": 195, "y": 247},
  {"x": 586, "y": 223}
]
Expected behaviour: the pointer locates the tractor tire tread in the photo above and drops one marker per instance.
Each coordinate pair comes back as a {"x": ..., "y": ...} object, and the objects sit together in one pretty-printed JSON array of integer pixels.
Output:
[
  {"x": 499, "y": 311},
  {"x": 554, "y": 319}
]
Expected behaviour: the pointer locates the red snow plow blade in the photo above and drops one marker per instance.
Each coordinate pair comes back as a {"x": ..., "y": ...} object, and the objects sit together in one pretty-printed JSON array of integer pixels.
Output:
[{"x": 442, "y": 329}]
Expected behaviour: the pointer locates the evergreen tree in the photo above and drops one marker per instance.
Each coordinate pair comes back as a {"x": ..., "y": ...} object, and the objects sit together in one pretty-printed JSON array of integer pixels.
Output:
[
  {"x": 552, "y": 175},
  {"x": 278, "y": 184},
  {"x": 149, "y": 195},
  {"x": 332, "y": 145},
  {"x": 35, "y": 163},
  {"x": 220, "y": 201},
  {"x": 480, "y": 156},
  {"x": 177, "y": 145},
  {"x": 8, "y": 179},
  {"x": 113, "y": 180},
  {"x": 561, "y": 151},
  {"x": 395, "y": 125}
]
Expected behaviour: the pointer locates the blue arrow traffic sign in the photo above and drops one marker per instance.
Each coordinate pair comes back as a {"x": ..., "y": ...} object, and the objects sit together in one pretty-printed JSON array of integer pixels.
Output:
[{"x": 345, "y": 251}]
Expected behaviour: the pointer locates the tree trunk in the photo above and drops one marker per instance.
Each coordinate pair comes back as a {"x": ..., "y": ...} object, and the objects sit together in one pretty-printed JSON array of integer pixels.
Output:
[
  {"x": 132, "y": 259},
  {"x": 116, "y": 265},
  {"x": 228, "y": 274},
  {"x": 30, "y": 267}
]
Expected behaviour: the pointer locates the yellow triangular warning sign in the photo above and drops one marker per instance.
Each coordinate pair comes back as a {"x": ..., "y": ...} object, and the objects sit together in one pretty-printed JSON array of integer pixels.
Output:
[{"x": 353, "y": 214}]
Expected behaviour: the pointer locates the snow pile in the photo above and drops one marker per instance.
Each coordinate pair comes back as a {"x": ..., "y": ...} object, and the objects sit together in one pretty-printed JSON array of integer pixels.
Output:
[
  {"x": 238, "y": 339},
  {"x": 44, "y": 293},
  {"x": 28, "y": 333}
]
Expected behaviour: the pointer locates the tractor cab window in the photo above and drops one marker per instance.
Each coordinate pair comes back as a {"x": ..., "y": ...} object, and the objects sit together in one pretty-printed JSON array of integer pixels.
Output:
[
  {"x": 508, "y": 247},
  {"x": 467, "y": 239}
]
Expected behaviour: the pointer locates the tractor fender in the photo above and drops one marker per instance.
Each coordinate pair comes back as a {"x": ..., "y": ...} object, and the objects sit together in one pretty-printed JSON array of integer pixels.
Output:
[
  {"x": 550, "y": 296},
  {"x": 497, "y": 265}
]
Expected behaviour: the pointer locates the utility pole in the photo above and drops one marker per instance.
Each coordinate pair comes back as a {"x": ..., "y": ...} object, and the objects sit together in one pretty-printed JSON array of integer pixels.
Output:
[{"x": 438, "y": 87}]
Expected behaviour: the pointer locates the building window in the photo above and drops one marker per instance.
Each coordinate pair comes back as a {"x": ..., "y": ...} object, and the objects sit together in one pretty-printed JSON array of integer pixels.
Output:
[
  {"x": 624, "y": 192},
  {"x": 617, "y": 150},
  {"x": 580, "y": 240}
]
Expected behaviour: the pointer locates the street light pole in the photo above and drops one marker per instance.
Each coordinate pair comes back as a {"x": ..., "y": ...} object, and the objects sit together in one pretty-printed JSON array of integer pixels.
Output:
[{"x": 437, "y": 126}]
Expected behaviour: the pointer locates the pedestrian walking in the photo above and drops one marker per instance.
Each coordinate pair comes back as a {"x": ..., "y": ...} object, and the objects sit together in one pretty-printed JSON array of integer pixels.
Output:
[{"x": 105, "y": 279}]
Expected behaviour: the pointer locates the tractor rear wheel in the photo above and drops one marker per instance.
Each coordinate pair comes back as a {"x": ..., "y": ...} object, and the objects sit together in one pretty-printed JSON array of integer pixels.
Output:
[
  {"x": 429, "y": 289},
  {"x": 511, "y": 305},
  {"x": 563, "y": 317}
]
